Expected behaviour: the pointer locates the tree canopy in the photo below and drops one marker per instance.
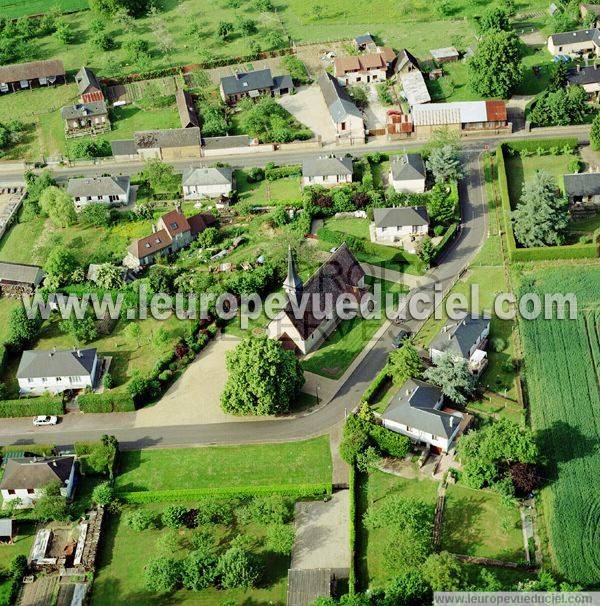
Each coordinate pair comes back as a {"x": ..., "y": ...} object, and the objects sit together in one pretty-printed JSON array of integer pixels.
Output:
[
  {"x": 404, "y": 363},
  {"x": 444, "y": 163},
  {"x": 564, "y": 106},
  {"x": 452, "y": 376},
  {"x": 59, "y": 206}
]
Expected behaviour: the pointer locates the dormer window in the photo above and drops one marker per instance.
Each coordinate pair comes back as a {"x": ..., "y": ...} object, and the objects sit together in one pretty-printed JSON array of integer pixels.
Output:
[
  {"x": 147, "y": 244},
  {"x": 157, "y": 241},
  {"x": 174, "y": 225}
]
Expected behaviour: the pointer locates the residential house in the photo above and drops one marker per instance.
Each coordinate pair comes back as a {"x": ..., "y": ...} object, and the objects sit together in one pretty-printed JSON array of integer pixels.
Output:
[
  {"x": 187, "y": 109},
  {"x": 588, "y": 77},
  {"x": 365, "y": 42},
  {"x": 205, "y": 182},
  {"x": 88, "y": 85},
  {"x": 112, "y": 191},
  {"x": 399, "y": 225},
  {"x": 172, "y": 232},
  {"x": 460, "y": 117},
  {"x": 591, "y": 12},
  {"x": 407, "y": 174},
  {"x": 372, "y": 67},
  {"x": 346, "y": 117},
  {"x": 445, "y": 55},
  {"x": 254, "y": 84},
  {"x": 57, "y": 370},
  {"x": 25, "y": 478},
  {"x": 17, "y": 279},
  {"x": 417, "y": 410},
  {"x": 463, "y": 339},
  {"x": 327, "y": 171},
  {"x": 415, "y": 88},
  {"x": 169, "y": 144},
  {"x": 406, "y": 62},
  {"x": 583, "y": 191},
  {"x": 303, "y": 329},
  {"x": 20, "y": 76},
  {"x": 85, "y": 118},
  {"x": 577, "y": 43}
]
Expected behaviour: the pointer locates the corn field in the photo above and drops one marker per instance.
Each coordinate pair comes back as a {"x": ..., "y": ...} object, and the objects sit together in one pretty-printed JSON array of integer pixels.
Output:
[{"x": 562, "y": 370}]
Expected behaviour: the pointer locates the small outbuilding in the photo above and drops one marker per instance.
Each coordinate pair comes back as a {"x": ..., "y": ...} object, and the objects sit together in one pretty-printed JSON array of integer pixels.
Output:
[
  {"x": 6, "y": 530},
  {"x": 445, "y": 55}
]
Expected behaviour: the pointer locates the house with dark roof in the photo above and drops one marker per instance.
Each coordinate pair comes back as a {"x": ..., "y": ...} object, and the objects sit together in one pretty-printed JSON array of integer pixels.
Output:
[
  {"x": 346, "y": 117},
  {"x": 575, "y": 44},
  {"x": 310, "y": 314},
  {"x": 112, "y": 191},
  {"x": 207, "y": 182},
  {"x": 20, "y": 76},
  {"x": 88, "y": 86},
  {"x": 371, "y": 67},
  {"x": 464, "y": 339},
  {"x": 168, "y": 144},
  {"x": 399, "y": 225},
  {"x": 583, "y": 190},
  {"x": 187, "y": 109},
  {"x": 327, "y": 171},
  {"x": 26, "y": 477},
  {"x": 19, "y": 278},
  {"x": 88, "y": 118},
  {"x": 254, "y": 84},
  {"x": 588, "y": 77},
  {"x": 407, "y": 174},
  {"x": 417, "y": 410},
  {"x": 57, "y": 370},
  {"x": 172, "y": 232}
]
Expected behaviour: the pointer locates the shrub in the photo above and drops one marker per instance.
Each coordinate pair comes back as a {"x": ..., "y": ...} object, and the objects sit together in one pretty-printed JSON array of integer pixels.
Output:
[
  {"x": 108, "y": 382},
  {"x": 376, "y": 386},
  {"x": 140, "y": 519},
  {"x": 282, "y": 172},
  {"x": 105, "y": 402},
  {"x": 280, "y": 539},
  {"x": 213, "y": 511},
  {"x": 174, "y": 516},
  {"x": 237, "y": 568},
  {"x": 256, "y": 174},
  {"x": 32, "y": 407},
  {"x": 268, "y": 509},
  {"x": 498, "y": 344},
  {"x": 102, "y": 494},
  {"x": 199, "y": 569},
  {"x": 438, "y": 230},
  {"x": 574, "y": 165},
  {"x": 162, "y": 573},
  {"x": 389, "y": 442}
]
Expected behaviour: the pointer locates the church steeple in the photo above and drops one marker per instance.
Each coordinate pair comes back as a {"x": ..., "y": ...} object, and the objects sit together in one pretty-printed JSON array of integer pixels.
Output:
[{"x": 293, "y": 283}]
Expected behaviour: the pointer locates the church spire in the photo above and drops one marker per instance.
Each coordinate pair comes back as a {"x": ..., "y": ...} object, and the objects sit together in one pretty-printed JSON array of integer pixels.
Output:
[{"x": 293, "y": 283}]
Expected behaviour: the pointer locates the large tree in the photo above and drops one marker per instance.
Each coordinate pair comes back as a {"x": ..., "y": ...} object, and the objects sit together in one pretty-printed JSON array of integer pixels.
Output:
[
  {"x": 264, "y": 378},
  {"x": 495, "y": 70},
  {"x": 22, "y": 329},
  {"x": 542, "y": 215},
  {"x": 59, "y": 206},
  {"x": 452, "y": 376},
  {"x": 494, "y": 19},
  {"x": 404, "y": 363},
  {"x": 51, "y": 505},
  {"x": 444, "y": 163},
  {"x": 560, "y": 107},
  {"x": 59, "y": 267},
  {"x": 443, "y": 572}
]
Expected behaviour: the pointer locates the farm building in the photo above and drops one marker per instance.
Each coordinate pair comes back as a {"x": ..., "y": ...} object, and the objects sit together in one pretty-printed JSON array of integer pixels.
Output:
[
  {"x": 372, "y": 67},
  {"x": 254, "y": 84},
  {"x": 415, "y": 88},
  {"x": 364, "y": 42},
  {"x": 346, "y": 117},
  {"x": 88, "y": 86},
  {"x": 18, "y": 278},
  {"x": 406, "y": 62},
  {"x": 85, "y": 118},
  {"x": 233, "y": 144},
  {"x": 444, "y": 55},
  {"x": 20, "y": 76},
  {"x": 187, "y": 109},
  {"x": 168, "y": 144}
]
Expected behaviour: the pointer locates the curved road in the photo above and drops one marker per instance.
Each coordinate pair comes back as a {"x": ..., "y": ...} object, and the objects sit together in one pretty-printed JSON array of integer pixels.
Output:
[{"x": 472, "y": 234}]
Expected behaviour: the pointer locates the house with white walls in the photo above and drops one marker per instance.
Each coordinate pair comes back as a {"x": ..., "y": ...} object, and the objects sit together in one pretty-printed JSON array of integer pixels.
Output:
[
  {"x": 394, "y": 225},
  {"x": 408, "y": 174},
  {"x": 112, "y": 191},
  {"x": 327, "y": 171},
  {"x": 207, "y": 182}
]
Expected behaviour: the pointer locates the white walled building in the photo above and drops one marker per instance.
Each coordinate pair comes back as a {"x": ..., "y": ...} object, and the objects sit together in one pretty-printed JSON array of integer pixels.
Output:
[
  {"x": 327, "y": 171},
  {"x": 407, "y": 174},
  {"x": 346, "y": 117},
  {"x": 392, "y": 225},
  {"x": 580, "y": 42},
  {"x": 113, "y": 191},
  {"x": 207, "y": 182},
  {"x": 55, "y": 371}
]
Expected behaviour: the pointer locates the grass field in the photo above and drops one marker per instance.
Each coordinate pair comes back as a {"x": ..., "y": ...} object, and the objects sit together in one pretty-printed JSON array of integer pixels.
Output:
[
  {"x": 290, "y": 463},
  {"x": 562, "y": 364},
  {"x": 268, "y": 192},
  {"x": 13, "y": 9}
]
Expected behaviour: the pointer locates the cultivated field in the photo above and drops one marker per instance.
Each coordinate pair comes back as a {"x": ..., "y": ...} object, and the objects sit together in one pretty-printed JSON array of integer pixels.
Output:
[
  {"x": 562, "y": 373},
  {"x": 13, "y": 9}
]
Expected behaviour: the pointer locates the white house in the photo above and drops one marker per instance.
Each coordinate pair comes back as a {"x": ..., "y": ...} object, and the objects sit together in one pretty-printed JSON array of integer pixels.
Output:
[
  {"x": 416, "y": 411},
  {"x": 407, "y": 174},
  {"x": 580, "y": 42},
  {"x": 55, "y": 370},
  {"x": 463, "y": 339},
  {"x": 372, "y": 67},
  {"x": 113, "y": 191},
  {"x": 327, "y": 171},
  {"x": 398, "y": 224},
  {"x": 207, "y": 182},
  {"x": 25, "y": 478},
  {"x": 346, "y": 117}
]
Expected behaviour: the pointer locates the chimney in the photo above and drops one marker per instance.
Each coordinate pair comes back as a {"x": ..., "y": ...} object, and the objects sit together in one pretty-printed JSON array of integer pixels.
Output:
[
  {"x": 79, "y": 353},
  {"x": 451, "y": 421},
  {"x": 53, "y": 463},
  {"x": 578, "y": 68}
]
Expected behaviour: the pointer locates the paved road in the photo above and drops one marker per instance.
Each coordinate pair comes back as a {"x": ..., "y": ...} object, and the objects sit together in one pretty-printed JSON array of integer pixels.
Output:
[{"x": 456, "y": 258}]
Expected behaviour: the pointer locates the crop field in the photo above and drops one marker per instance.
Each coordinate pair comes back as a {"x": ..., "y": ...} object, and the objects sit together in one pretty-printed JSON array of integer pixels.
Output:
[
  {"x": 13, "y": 9},
  {"x": 563, "y": 377}
]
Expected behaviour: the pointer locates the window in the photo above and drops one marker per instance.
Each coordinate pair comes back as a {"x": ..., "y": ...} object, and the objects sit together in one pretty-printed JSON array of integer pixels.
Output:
[
  {"x": 44, "y": 379},
  {"x": 408, "y": 428},
  {"x": 11, "y": 491},
  {"x": 59, "y": 378},
  {"x": 343, "y": 126},
  {"x": 30, "y": 491}
]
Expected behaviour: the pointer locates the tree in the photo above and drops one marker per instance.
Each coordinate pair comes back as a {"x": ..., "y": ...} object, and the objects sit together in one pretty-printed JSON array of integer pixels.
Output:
[
  {"x": 494, "y": 19},
  {"x": 160, "y": 176},
  {"x": 359, "y": 95},
  {"x": 443, "y": 572},
  {"x": 59, "y": 267},
  {"x": 558, "y": 77},
  {"x": 22, "y": 329},
  {"x": 444, "y": 163},
  {"x": 11, "y": 133},
  {"x": 525, "y": 478},
  {"x": 426, "y": 251},
  {"x": 64, "y": 32},
  {"x": 140, "y": 519},
  {"x": 562, "y": 107},
  {"x": 209, "y": 237},
  {"x": 59, "y": 206},
  {"x": 355, "y": 439},
  {"x": 162, "y": 574},
  {"x": 237, "y": 568},
  {"x": 495, "y": 69},
  {"x": 267, "y": 509},
  {"x": 174, "y": 516},
  {"x": 83, "y": 331},
  {"x": 224, "y": 29},
  {"x": 407, "y": 589},
  {"x": 199, "y": 569},
  {"x": 134, "y": 331},
  {"x": 248, "y": 27},
  {"x": 542, "y": 215},
  {"x": 441, "y": 206},
  {"x": 137, "y": 50},
  {"x": 109, "y": 276},
  {"x": 103, "y": 494},
  {"x": 452, "y": 376},
  {"x": 404, "y": 363},
  {"x": 214, "y": 121},
  {"x": 595, "y": 133},
  {"x": 280, "y": 538},
  {"x": 264, "y": 378},
  {"x": 296, "y": 68},
  {"x": 51, "y": 505},
  {"x": 95, "y": 215}
]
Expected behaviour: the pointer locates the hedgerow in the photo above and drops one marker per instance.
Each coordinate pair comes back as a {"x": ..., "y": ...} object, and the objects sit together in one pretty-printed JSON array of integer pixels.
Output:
[
  {"x": 32, "y": 407},
  {"x": 106, "y": 402}
]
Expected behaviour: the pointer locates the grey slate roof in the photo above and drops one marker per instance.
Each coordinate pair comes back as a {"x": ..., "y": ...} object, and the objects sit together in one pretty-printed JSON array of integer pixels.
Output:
[
  {"x": 83, "y": 110},
  {"x": 171, "y": 137},
  {"x": 582, "y": 184},
  {"x": 21, "y": 273},
  {"x": 226, "y": 142},
  {"x": 85, "y": 79},
  {"x": 400, "y": 215},
  {"x": 60, "y": 363},
  {"x": 244, "y": 82},
  {"x": 326, "y": 166},
  {"x": 576, "y": 37},
  {"x": 123, "y": 147},
  {"x": 408, "y": 167},
  {"x": 98, "y": 186},
  {"x": 219, "y": 175},
  {"x": 32, "y": 472},
  {"x": 306, "y": 585},
  {"x": 283, "y": 81},
  {"x": 414, "y": 405},
  {"x": 338, "y": 102},
  {"x": 364, "y": 39},
  {"x": 460, "y": 336},
  {"x": 31, "y": 70},
  {"x": 585, "y": 75},
  {"x": 6, "y": 527}
]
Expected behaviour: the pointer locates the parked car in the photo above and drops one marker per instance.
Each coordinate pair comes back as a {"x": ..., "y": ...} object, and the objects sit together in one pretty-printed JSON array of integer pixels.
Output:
[
  {"x": 400, "y": 337},
  {"x": 42, "y": 420}
]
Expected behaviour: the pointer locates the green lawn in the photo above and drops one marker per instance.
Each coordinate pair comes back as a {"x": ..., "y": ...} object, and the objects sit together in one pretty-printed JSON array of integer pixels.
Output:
[
  {"x": 336, "y": 354},
  {"x": 477, "y": 523},
  {"x": 22, "y": 543},
  {"x": 268, "y": 192},
  {"x": 13, "y": 9},
  {"x": 354, "y": 227},
  {"x": 307, "y": 462},
  {"x": 453, "y": 85}
]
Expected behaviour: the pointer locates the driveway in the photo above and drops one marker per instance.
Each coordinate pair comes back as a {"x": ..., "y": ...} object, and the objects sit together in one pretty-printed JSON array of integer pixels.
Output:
[
  {"x": 375, "y": 112},
  {"x": 308, "y": 107}
]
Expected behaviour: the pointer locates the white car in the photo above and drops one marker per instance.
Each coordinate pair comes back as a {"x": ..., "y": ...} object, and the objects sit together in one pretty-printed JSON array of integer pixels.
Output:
[{"x": 45, "y": 420}]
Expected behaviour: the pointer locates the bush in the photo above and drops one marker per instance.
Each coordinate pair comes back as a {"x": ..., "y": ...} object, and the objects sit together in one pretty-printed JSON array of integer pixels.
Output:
[
  {"x": 105, "y": 402},
  {"x": 237, "y": 568},
  {"x": 213, "y": 511},
  {"x": 269, "y": 509},
  {"x": 162, "y": 573},
  {"x": 32, "y": 407},
  {"x": 174, "y": 516},
  {"x": 438, "y": 230},
  {"x": 497, "y": 344},
  {"x": 282, "y": 172},
  {"x": 108, "y": 382},
  {"x": 256, "y": 174},
  {"x": 389, "y": 442},
  {"x": 199, "y": 569},
  {"x": 140, "y": 519},
  {"x": 376, "y": 386},
  {"x": 280, "y": 539},
  {"x": 103, "y": 494},
  {"x": 574, "y": 165}
]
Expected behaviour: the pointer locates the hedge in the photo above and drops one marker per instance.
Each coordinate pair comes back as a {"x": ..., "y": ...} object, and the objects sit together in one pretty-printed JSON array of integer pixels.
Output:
[
  {"x": 298, "y": 491},
  {"x": 32, "y": 407},
  {"x": 44, "y": 450},
  {"x": 352, "y": 520},
  {"x": 535, "y": 144},
  {"x": 281, "y": 172},
  {"x": 538, "y": 253},
  {"x": 450, "y": 234},
  {"x": 375, "y": 386},
  {"x": 106, "y": 402}
]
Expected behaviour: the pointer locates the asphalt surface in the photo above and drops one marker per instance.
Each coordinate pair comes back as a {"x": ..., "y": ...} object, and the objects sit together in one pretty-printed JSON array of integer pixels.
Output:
[{"x": 472, "y": 234}]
